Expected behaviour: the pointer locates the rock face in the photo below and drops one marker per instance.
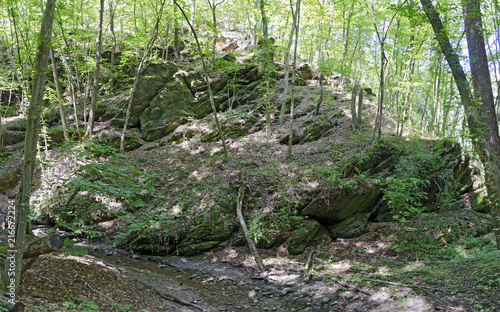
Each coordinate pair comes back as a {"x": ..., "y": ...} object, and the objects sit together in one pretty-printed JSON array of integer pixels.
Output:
[
  {"x": 165, "y": 112},
  {"x": 166, "y": 97},
  {"x": 152, "y": 79},
  {"x": 344, "y": 208}
]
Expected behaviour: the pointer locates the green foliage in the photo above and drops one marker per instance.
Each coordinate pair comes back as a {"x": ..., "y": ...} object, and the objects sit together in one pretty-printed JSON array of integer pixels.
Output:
[
  {"x": 403, "y": 196},
  {"x": 283, "y": 217}
]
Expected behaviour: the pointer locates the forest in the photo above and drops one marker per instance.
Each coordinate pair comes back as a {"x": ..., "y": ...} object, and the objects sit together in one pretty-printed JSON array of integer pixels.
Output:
[{"x": 255, "y": 155}]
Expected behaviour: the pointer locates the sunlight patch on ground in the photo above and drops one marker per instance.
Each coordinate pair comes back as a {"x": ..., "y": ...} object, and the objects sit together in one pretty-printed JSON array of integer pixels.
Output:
[
  {"x": 339, "y": 267},
  {"x": 413, "y": 266},
  {"x": 384, "y": 271}
]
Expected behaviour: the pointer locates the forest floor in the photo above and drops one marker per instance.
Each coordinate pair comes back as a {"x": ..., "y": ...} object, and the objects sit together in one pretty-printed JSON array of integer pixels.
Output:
[{"x": 381, "y": 270}]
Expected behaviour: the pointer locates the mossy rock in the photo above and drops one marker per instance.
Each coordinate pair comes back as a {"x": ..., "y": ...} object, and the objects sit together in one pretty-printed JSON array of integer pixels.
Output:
[
  {"x": 336, "y": 205},
  {"x": 480, "y": 203},
  {"x": 166, "y": 111},
  {"x": 233, "y": 130},
  {"x": 193, "y": 249},
  {"x": 299, "y": 82},
  {"x": 295, "y": 138},
  {"x": 9, "y": 177},
  {"x": 152, "y": 79},
  {"x": 351, "y": 227},
  {"x": 302, "y": 236},
  {"x": 12, "y": 137},
  {"x": 153, "y": 249},
  {"x": 131, "y": 143},
  {"x": 314, "y": 132}
]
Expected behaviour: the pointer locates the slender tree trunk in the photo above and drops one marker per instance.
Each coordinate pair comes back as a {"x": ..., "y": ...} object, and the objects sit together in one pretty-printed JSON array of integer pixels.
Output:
[
  {"x": 112, "y": 31},
  {"x": 321, "y": 92},
  {"x": 360, "y": 104},
  {"x": 32, "y": 129},
  {"x": 97, "y": 72},
  {"x": 59, "y": 96},
  {"x": 149, "y": 46},
  {"x": 354, "y": 118},
  {"x": 251, "y": 245},
  {"x": 266, "y": 67},
  {"x": 294, "y": 65},
  {"x": 207, "y": 80},
  {"x": 287, "y": 67},
  {"x": 479, "y": 107}
]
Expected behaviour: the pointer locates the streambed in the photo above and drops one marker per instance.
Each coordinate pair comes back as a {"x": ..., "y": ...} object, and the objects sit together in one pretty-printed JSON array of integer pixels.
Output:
[{"x": 197, "y": 284}]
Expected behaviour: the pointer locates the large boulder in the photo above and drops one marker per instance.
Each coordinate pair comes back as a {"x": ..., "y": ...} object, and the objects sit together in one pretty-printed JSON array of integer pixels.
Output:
[
  {"x": 351, "y": 227},
  {"x": 152, "y": 79},
  {"x": 308, "y": 233},
  {"x": 166, "y": 111},
  {"x": 335, "y": 205}
]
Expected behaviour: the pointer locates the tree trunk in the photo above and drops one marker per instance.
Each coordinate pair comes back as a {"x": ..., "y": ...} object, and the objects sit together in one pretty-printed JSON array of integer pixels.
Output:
[
  {"x": 251, "y": 245},
  {"x": 360, "y": 104},
  {"x": 15, "y": 256},
  {"x": 59, "y": 96},
  {"x": 354, "y": 118},
  {"x": 294, "y": 65},
  {"x": 207, "y": 80},
  {"x": 112, "y": 31},
  {"x": 480, "y": 109},
  {"x": 287, "y": 67},
  {"x": 266, "y": 67},
  {"x": 149, "y": 46},
  {"x": 97, "y": 72}
]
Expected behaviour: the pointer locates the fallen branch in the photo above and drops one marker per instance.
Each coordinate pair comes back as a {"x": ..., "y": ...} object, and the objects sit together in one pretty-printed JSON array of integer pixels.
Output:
[
  {"x": 173, "y": 298},
  {"x": 93, "y": 289},
  {"x": 44, "y": 245},
  {"x": 417, "y": 286},
  {"x": 353, "y": 287},
  {"x": 251, "y": 245},
  {"x": 305, "y": 277}
]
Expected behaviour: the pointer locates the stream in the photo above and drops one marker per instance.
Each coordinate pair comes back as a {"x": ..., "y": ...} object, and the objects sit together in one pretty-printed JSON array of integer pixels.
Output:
[{"x": 197, "y": 284}]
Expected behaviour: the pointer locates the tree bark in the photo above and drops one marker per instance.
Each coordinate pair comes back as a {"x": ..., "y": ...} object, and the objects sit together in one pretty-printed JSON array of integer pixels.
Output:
[
  {"x": 480, "y": 110},
  {"x": 360, "y": 104},
  {"x": 59, "y": 96},
  {"x": 294, "y": 65},
  {"x": 97, "y": 72},
  {"x": 287, "y": 67},
  {"x": 266, "y": 67},
  {"x": 251, "y": 245},
  {"x": 30, "y": 142},
  {"x": 354, "y": 118},
  {"x": 207, "y": 80}
]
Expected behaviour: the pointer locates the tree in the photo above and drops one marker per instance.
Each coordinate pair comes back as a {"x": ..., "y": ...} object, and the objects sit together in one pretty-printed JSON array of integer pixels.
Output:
[
  {"x": 294, "y": 65},
  {"x": 480, "y": 109},
  {"x": 147, "y": 50},
  {"x": 30, "y": 145},
  {"x": 287, "y": 67},
  {"x": 207, "y": 80},
  {"x": 266, "y": 66},
  {"x": 97, "y": 71}
]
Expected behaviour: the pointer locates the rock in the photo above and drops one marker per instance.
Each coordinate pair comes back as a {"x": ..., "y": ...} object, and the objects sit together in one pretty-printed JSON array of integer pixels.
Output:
[
  {"x": 152, "y": 79},
  {"x": 302, "y": 236},
  {"x": 351, "y": 227},
  {"x": 130, "y": 143},
  {"x": 166, "y": 111},
  {"x": 12, "y": 137},
  {"x": 305, "y": 72},
  {"x": 480, "y": 202},
  {"x": 336, "y": 204},
  {"x": 152, "y": 249},
  {"x": 9, "y": 178}
]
